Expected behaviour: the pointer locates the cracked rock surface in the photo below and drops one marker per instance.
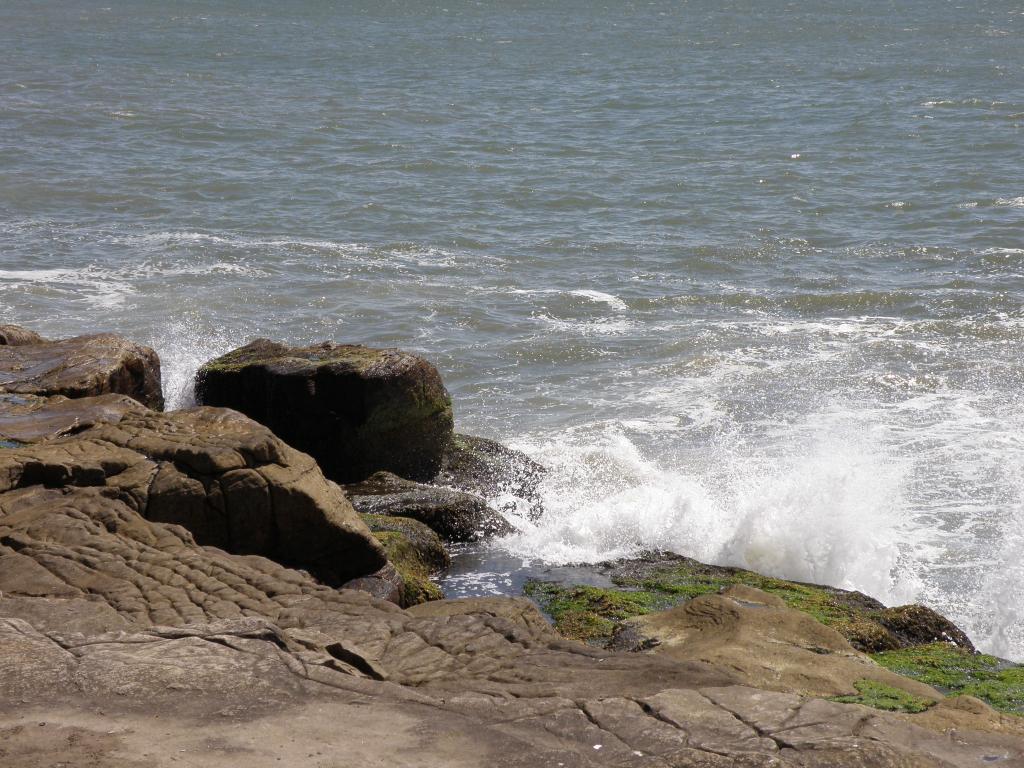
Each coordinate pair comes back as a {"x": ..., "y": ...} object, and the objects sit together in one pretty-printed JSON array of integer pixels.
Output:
[{"x": 134, "y": 645}]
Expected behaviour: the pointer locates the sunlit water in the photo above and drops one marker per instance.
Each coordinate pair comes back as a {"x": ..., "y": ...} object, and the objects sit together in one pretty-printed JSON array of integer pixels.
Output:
[{"x": 746, "y": 276}]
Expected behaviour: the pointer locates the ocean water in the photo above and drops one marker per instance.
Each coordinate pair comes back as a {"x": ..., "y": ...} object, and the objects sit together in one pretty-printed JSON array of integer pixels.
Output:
[{"x": 747, "y": 276}]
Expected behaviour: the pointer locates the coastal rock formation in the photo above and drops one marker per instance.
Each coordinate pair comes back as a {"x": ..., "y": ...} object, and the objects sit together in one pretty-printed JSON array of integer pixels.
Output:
[
  {"x": 83, "y": 366},
  {"x": 227, "y": 479},
  {"x": 124, "y": 643},
  {"x": 755, "y": 635},
  {"x": 489, "y": 469},
  {"x": 453, "y": 515},
  {"x": 356, "y": 410}
]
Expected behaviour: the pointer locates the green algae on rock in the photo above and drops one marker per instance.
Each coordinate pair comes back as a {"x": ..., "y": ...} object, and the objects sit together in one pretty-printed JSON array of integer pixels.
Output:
[
  {"x": 591, "y": 614},
  {"x": 355, "y": 409},
  {"x": 415, "y": 551},
  {"x": 955, "y": 670},
  {"x": 877, "y": 695}
]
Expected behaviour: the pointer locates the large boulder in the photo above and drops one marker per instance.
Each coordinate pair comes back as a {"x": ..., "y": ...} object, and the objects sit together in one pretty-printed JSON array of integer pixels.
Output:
[
  {"x": 453, "y": 515},
  {"x": 356, "y": 410},
  {"x": 225, "y": 478},
  {"x": 83, "y": 366}
]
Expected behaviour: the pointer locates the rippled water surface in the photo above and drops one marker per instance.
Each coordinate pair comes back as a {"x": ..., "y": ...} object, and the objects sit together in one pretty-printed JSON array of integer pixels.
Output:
[{"x": 747, "y": 276}]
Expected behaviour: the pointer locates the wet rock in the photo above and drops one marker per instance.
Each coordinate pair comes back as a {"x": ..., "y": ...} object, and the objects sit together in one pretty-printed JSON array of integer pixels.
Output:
[
  {"x": 84, "y": 366},
  {"x": 356, "y": 410},
  {"x": 387, "y": 583},
  {"x": 489, "y": 469},
  {"x": 32, "y": 419},
  {"x": 224, "y": 477},
  {"x": 453, "y": 515},
  {"x": 15, "y": 335},
  {"x": 919, "y": 625}
]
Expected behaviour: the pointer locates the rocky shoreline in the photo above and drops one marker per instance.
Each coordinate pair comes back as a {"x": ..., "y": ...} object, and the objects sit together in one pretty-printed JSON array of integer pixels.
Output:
[{"x": 250, "y": 580}]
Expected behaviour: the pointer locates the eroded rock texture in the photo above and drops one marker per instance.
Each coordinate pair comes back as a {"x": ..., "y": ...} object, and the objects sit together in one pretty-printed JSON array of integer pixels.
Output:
[
  {"x": 228, "y": 480},
  {"x": 356, "y": 410},
  {"x": 80, "y": 367},
  {"x": 166, "y": 651}
]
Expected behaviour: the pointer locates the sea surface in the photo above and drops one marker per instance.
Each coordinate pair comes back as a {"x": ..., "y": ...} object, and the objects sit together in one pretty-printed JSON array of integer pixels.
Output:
[{"x": 748, "y": 276}]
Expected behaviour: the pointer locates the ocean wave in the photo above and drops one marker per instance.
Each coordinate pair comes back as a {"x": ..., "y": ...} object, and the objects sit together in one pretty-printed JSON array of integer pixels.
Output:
[{"x": 830, "y": 511}]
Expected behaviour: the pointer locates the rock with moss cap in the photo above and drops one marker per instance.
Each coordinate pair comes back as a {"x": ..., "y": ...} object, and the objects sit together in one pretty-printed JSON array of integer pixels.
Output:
[
  {"x": 355, "y": 409},
  {"x": 865, "y": 622},
  {"x": 84, "y": 366}
]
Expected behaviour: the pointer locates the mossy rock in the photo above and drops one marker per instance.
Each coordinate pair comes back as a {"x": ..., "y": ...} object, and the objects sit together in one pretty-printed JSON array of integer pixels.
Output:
[
  {"x": 415, "y": 551},
  {"x": 872, "y": 693},
  {"x": 591, "y": 614},
  {"x": 954, "y": 670},
  {"x": 864, "y": 621}
]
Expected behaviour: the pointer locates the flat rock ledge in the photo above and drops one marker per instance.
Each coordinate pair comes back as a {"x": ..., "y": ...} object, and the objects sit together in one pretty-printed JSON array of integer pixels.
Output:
[
  {"x": 124, "y": 643},
  {"x": 83, "y": 366}
]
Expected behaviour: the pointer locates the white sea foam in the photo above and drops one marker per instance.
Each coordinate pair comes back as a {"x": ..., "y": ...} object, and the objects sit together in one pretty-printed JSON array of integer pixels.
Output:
[
  {"x": 829, "y": 511},
  {"x": 184, "y": 345},
  {"x": 1011, "y": 202},
  {"x": 604, "y": 298}
]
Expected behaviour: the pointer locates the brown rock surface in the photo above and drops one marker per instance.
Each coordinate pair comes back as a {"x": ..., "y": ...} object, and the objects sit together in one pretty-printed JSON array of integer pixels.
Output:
[
  {"x": 766, "y": 644},
  {"x": 227, "y": 479},
  {"x": 356, "y": 410},
  {"x": 82, "y": 367},
  {"x": 210, "y": 659}
]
